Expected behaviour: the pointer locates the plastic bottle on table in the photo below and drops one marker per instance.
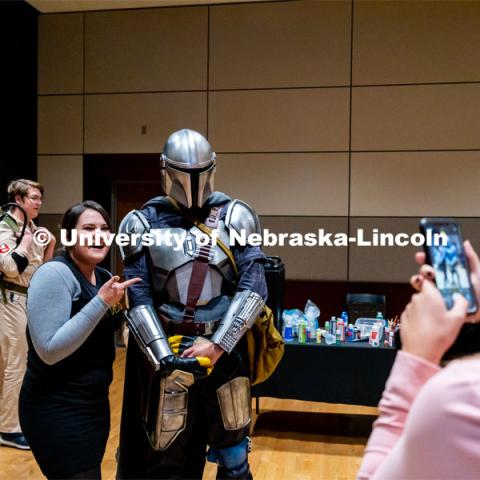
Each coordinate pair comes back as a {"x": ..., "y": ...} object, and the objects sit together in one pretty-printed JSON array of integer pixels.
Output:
[
  {"x": 357, "y": 333},
  {"x": 349, "y": 334},
  {"x": 375, "y": 336},
  {"x": 333, "y": 326},
  {"x": 287, "y": 332},
  {"x": 341, "y": 327},
  {"x": 379, "y": 317},
  {"x": 327, "y": 326},
  {"x": 302, "y": 331},
  {"x": 329, "y": 338},
  {"x": 338, "y": 336}
]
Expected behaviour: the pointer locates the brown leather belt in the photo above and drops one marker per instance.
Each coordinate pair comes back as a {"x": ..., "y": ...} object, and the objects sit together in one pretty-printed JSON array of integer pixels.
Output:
[
  {"x": 188, "y": 328},
  {"x": 14, "y": 287}
]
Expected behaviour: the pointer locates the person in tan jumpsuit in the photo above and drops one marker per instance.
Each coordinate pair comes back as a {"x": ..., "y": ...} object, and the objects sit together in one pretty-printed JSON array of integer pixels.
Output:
[{"x": 17, "y": 264}]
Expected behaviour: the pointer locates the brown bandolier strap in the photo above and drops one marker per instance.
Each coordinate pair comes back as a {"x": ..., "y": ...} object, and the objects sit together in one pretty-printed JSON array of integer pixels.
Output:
[
  {"x": 200, "y": 269},
  {"x": 204, "y": 229}
]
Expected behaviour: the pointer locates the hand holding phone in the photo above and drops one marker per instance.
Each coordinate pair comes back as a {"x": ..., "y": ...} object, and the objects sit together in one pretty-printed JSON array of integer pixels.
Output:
[
  {"x": 428, "y": 329},
  {"x": 447, "y": 257}
]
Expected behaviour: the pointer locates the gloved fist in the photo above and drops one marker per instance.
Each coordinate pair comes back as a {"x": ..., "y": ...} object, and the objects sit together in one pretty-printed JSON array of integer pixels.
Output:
[
  {"x": 180, "y": 343},
  {"x": 200, "y": 367}
]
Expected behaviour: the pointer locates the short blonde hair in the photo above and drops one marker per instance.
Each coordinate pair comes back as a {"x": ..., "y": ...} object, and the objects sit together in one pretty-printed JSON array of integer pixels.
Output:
[{"x": 20, "y": 187}]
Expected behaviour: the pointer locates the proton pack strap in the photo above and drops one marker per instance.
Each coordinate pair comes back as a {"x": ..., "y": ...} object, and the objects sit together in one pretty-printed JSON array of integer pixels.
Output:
[
  {"x": 11, "y": 223},
  {"x": 205, "y": 229},
  {"x": 199, "y": 270}
]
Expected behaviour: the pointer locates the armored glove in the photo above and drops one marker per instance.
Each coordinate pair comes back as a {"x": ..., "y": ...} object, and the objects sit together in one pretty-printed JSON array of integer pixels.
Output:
[
  {"x": 200, "y": 367},
  {"x": 180, "y": 343}
]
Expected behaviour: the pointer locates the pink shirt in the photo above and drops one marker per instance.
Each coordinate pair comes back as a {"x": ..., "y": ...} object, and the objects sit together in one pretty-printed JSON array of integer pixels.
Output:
[{"x": 429, "y": 422}]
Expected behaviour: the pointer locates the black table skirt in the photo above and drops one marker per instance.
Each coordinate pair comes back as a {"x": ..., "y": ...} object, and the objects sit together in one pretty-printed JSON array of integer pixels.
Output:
[{"x": 350, "y": 373}]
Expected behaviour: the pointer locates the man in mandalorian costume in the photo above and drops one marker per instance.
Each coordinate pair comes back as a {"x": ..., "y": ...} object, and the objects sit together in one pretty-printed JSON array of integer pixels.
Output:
[{"x": 186, "y": 382}]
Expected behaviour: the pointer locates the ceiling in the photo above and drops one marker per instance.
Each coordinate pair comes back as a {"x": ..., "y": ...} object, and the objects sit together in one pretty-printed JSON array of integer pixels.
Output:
[{"x": 51, "y": 6}]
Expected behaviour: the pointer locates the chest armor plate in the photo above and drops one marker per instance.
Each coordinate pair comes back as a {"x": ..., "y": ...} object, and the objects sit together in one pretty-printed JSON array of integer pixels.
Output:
[{"x": 172, "y": 260}]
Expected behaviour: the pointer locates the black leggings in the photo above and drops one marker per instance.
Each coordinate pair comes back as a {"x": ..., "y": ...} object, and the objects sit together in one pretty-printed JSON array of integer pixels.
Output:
[{"x": 94, "y": 473}]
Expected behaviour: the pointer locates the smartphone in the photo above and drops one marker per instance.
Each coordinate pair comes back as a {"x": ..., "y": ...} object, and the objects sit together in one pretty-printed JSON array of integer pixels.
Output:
[{"x": 447, "y": 257}]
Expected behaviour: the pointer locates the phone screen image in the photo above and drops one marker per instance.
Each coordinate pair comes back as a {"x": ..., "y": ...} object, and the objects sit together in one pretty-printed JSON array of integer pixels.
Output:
[{"x": 450, "y": 264}]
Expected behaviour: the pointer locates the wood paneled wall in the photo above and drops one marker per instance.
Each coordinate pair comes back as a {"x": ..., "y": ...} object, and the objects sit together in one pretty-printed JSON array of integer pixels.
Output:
[{"x": 325, "y": 114}]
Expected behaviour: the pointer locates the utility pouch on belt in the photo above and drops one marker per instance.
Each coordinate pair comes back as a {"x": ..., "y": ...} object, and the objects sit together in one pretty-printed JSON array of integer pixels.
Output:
[
  {"x": 235, "y": 403},
  {"x": 165, "y": 408}
]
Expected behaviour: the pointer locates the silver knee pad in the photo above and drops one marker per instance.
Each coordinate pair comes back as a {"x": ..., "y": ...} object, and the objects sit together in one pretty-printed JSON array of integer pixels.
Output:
[
  {"x": 235, "y": 403},
  {"x": 166, "y": 417}
]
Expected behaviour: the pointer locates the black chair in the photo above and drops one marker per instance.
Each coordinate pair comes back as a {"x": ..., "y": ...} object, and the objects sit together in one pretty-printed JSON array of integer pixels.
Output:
[{"x": 365, "y": 305}]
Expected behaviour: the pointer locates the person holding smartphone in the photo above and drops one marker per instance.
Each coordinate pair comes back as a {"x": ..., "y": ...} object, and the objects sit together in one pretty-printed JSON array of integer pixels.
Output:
[{"x": 429, "y": 416}]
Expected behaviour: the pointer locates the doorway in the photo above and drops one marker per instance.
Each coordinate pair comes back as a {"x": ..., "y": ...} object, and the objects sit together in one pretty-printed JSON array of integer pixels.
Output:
[
  {"x": 127, "y": 196},
  {"x": 120, "y": 183}
]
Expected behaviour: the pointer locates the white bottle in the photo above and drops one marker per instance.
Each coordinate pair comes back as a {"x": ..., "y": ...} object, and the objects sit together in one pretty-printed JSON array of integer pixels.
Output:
[{"x": 375, "y": 336}]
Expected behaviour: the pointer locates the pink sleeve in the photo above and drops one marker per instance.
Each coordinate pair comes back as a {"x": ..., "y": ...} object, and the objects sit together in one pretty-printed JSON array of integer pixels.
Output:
[{"x": 408, "y": 375}]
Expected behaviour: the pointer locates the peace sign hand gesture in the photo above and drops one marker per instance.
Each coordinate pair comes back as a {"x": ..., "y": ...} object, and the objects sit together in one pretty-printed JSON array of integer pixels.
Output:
[{"x": 113, "y": 291}]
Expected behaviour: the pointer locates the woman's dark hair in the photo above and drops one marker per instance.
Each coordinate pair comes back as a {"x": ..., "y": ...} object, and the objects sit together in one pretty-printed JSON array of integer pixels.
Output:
[{"x": 71, "y": 216}]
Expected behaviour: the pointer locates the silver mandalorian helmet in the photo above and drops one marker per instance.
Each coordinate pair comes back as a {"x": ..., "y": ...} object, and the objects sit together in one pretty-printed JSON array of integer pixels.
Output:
[{"x": 188, "y": 165}]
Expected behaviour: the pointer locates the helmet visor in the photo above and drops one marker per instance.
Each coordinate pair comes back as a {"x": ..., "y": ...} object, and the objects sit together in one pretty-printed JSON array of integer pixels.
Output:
[{"x": 190, "y": 188}]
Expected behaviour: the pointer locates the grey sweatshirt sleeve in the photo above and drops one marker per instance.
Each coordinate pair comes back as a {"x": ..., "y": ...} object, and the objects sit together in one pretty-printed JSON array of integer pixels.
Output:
[{"x": 54, "y": 334}]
